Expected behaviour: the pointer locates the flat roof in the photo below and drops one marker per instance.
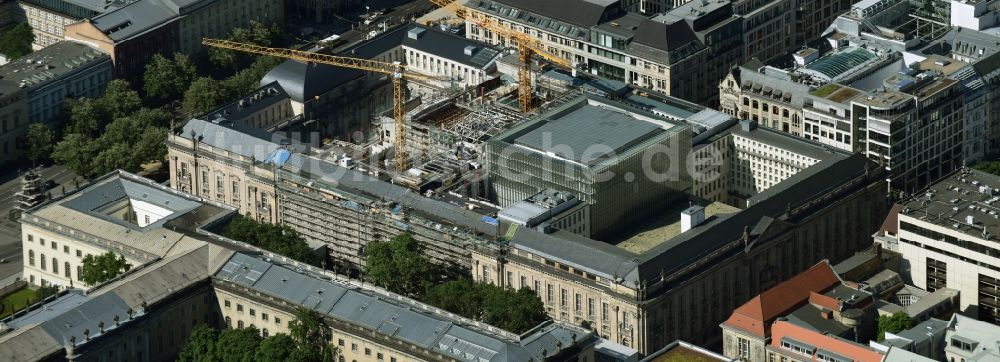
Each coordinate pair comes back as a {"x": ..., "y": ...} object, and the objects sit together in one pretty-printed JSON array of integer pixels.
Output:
[
  {"x": 51, "y": 62},
  {"x": 952, "y": 201},
  {"x": 587, "y": 131},
  {"x": 665, "y": 226}
]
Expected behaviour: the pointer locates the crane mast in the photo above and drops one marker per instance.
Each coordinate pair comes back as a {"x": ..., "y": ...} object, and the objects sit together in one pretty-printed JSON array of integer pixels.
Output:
[{"x": 395, "y": 70}]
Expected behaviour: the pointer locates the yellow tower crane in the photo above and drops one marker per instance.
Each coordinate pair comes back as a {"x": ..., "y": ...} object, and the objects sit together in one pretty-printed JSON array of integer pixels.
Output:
[
  {"x": 526, "y": 47},
  {"x": 396, "y": 70}
]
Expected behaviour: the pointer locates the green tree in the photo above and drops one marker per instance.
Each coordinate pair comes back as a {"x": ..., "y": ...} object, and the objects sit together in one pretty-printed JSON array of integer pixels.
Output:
[
  {"x": 168, "y": 78},
  {"x": 256, "y": 33},
  {"x": 278, "y": 347},
  {"x": 512, "y": 310},
  {"x": 400, "y": 266},
  {"x": 311, "y": 334},
  {"x": 39, "y": 141},
  {"x": 248, "y": 79},
  {"x": 203, "y": 95},
  {"x": 76, "y": 152},
  {"x": 16, "y": 42},
  {"x": 104, "y": 267},
  {"x": 992, "y": 167},
  {"x": 897, "y": 322},
  {"x": 237, "y": 345},
  {"x": 280, "y": 239},
  {"x": 120, "y": 100},
  {"x": 200, "y": 345}
]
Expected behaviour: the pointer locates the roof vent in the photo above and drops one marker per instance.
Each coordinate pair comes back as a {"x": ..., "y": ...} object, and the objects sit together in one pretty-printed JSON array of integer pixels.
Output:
[
  {"x": 416, "y": 33},
  {"x": 469, "y": 49}
]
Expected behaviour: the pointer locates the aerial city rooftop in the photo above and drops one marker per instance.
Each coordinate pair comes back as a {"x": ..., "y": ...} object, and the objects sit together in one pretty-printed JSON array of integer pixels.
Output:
[{"x": 500, "y": 180}]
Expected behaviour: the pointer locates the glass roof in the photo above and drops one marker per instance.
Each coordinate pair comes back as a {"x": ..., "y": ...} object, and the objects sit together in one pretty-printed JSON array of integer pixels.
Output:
[{"x": 836, "y": 64}]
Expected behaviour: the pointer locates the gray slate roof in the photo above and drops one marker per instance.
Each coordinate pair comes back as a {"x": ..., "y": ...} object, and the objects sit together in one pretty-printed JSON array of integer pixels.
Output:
[
  {"x": 389, "y": 315},
  {"x": 583, "y": 13}
]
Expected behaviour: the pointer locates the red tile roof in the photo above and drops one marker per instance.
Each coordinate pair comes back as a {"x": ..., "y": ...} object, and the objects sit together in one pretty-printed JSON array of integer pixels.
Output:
[
  {"x": 858, "y": 352},
  {"x": 891, "y": 222},
  {"x": 756, "y": 315},
  {"x": 824, "y": 301}
]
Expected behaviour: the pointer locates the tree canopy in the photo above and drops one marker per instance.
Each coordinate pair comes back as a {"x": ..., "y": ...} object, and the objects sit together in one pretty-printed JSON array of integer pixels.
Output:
[
  {"x": 168, "y": 78},
  {"x": 16, "y": 42},
  {"x": 112, "y": 132},
  {"x": 246, "y": 344},
  {"x": 512, "y": 310},
  {"x": 988, "y": 166},
  {"x": 897, "y": 322},
  {"x": 39, "y": 142},
  {"x": 204, "y": 95},
  {"x": 255, "y": 33},
  {"x": 280, "y": 239},
  {"x": 104, "y": 267},
  {"x": 400, "y": 266}
]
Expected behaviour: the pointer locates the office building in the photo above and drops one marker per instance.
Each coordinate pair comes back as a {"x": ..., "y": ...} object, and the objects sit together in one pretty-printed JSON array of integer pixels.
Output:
[
  {"x": 625, "y": 164},
  {"x": 132, "y": 33},
  {"x": 601, "y": 37},
  {"x": 914, "y": 128},
  {"x": 131, "y": 216},
  {"x": 65, "y": 70},
  {"x": 827, "y": 118},
  {"x": 946, "y": 234}
]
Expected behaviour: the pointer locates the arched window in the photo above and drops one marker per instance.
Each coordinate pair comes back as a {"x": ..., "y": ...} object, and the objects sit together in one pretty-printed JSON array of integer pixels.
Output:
[
  {"x": 229, "y": 322},
  {"x": 239, "y": 324},
  {"x": 264, "y": 333}
]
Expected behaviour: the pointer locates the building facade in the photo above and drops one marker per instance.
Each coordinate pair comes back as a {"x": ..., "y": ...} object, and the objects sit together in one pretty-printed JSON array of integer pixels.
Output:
[
  {"x": 121, "y": 213},
  {"x": 916, "y": 134},
  {"x": 955, "y": 249},
  {"x": 61, "y": 71},
  {"x": 48, "y": 18},
  {"x": 653, "y": 304},
  {"x": 134, "y": 32},
  {"x": 230, "y": 167},
  {"x": 568, "y": 149},
  {"x": 13, "y": 120},
  {"x": 606, "y": 41},
  {"x": 748, "y": 92}
]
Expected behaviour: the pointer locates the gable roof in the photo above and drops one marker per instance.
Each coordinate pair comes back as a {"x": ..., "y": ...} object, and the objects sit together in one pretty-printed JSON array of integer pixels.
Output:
[
  {"x": 822, "y": 343},
  {"x": 755, "y": 316}
]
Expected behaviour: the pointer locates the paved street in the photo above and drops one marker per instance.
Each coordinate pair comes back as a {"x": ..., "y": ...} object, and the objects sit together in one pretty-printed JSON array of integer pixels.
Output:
[{"x": 10, "y": 231}]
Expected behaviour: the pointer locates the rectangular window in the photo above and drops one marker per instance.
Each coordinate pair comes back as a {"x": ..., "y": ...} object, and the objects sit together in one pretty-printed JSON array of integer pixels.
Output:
[
  {"x": 253, "y": 312},
  {"x": 550, "y": 293},
  {"x": 563, "y": 298},
  {"x": 277, "y": 320},
  {"x": 239, "y": 307},
  {"x": 604, "y": 311},
  {"x": 54, "y": 246},
  {"x": 263, "y": 316},
  {"x": 79, "y": 254},
  {"x": 577, "y": 303},
  {"x": 590, "y": 307},
  {"x": 743, "y": 348},
  {"x": 226, "y": 303},
  {"x": 66, "y": 249}
]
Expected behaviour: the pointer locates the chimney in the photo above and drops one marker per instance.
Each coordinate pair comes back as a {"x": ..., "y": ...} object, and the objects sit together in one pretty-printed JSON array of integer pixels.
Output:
[{"x": 691, "y": 217}]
